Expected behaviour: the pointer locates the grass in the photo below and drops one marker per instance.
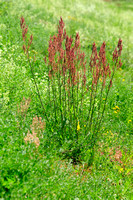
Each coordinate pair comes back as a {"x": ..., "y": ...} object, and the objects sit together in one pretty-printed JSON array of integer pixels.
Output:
[{"x": 41, "y": 174}]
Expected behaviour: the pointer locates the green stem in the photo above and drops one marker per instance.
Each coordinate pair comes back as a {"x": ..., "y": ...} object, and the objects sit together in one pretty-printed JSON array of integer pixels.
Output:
[
  {"x": 37, "y": 89},
  {"x": 77, "y": 110},
  {"x": 65, "y": 104},
  {"x": 54, "y": 98},
  {"x": 99, "y": 106},
  {"x": 49, "y": 88},
  {"x": 60, "y": 99},
  {"x": 89, "y": 109}
]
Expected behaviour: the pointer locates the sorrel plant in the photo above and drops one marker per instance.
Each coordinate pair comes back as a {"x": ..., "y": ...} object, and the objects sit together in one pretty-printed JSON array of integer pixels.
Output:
[{"x": 77, "y": 89}]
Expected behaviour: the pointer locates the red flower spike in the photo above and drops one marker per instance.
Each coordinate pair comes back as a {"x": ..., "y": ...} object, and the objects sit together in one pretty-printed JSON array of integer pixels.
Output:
[
  {"x": 94, "y": 57},
  {"x": 120, "y": 63},
  {"x": 50, "y": 74},
  {"x": 110, "y": 83},
  {"x": 119, "y": 47},
  {"x": 115, "y": 55},
  {"x": 102, "y": 55},
  {"x": 64, "y": 34},
  {"x": 21, "y": 22},
  {"x": 45, "y": 60},
  {"x": 24, "y": 48},
  {"x": 84, "y": 79},
  {"x": 77, "y": 41},
  {"x": 52, "y": 50},
  {"x": 31, "y": 38}
]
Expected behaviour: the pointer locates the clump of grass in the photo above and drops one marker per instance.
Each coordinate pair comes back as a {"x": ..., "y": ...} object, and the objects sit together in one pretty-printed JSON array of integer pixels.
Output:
[{"x": 76, "y": 89}]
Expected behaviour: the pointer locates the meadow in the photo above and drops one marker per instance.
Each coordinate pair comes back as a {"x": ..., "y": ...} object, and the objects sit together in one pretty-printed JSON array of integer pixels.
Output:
[{"x": 66, "y": 102}]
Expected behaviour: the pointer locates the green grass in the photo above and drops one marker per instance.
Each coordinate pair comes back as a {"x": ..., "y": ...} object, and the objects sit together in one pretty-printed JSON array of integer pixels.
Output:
[{"x": 41, "y": 174}]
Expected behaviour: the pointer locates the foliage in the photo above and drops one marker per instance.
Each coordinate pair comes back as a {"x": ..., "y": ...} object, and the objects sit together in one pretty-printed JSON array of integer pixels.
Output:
[
  {"x": 75, "y": 89},
  {"x": 35, "y": 171}
]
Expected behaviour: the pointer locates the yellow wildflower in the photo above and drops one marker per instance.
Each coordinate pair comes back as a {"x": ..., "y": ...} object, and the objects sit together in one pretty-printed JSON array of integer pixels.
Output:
[
  {"x": 121, "y": 170},
  {"x": 112, "y": 134},
  {"x": 71, "y": 18},
  {"x": 123, "y": 79},
  {"x": 100, "y": 79},
  {"x": 78, "y": 127},
  {"x": 117, "y": 109},
  {"x": 129, "y": 120}
]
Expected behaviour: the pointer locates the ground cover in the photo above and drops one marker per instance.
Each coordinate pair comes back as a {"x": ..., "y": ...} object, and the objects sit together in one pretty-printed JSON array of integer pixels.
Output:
[{"x": 40, "y": 173}]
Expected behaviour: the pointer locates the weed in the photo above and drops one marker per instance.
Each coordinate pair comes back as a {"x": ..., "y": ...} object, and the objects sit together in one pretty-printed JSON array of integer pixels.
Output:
[{"x": 72, "y": 82}]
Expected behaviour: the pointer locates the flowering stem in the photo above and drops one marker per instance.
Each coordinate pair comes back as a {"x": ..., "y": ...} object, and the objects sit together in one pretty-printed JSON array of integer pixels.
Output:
[
  {"x": 69, "y": 111},
  {"x": 94, "y": 102},
  {"x": 99, "y": 124},
  {"x": 73, "y": 104},
  {"x": 65, "y": 105},
  {"x": 37, "y": 88},
  {"x": 54, "y": 98},
  {"x": 77, "y": 110},
  {"x": 90, "y": 108},
  {"x": 60, "y": 104},
  {"x": 99, "y": 106},
  {"x": 49, "y": 87}
]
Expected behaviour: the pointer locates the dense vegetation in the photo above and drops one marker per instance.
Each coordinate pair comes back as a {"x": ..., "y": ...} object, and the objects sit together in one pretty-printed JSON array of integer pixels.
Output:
[{"x": 63, "y": 135}]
